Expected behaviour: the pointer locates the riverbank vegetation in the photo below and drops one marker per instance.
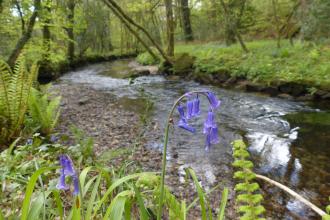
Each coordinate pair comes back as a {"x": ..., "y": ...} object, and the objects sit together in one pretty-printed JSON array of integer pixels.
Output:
[{"x": 282, "y": 45}]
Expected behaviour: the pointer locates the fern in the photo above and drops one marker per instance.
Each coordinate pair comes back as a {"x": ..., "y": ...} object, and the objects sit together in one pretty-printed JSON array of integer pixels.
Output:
[
  {"x": 44, "y": 112},
  {"x": 248, "y": 199},
  {"x": 15, "y": 87}
]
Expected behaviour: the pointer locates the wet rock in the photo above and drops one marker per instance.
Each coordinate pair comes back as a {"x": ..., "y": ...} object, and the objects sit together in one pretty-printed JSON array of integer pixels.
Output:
[
  {"x": 231, "y": 81},
  {"x": 286, "y": 96},
  {"x": 83, "y": 100},
  {"x": 307, "y": 97},
  {"x": 254, "y": 87},
  {"x": 272, "y": 91},
  {"x": 292, "y": 88},
  {"x": 139, "y": 73}
]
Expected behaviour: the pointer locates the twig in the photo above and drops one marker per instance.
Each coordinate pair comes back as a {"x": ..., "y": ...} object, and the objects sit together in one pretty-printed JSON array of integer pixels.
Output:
[{"x": 293, "y": 193}]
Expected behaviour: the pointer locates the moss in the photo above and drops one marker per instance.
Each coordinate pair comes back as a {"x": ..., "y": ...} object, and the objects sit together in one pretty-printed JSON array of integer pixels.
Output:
[{"x": 183, "y": 63}]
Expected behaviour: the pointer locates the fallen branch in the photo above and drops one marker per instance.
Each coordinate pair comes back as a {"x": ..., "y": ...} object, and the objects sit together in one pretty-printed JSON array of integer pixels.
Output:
[{"x": 293, "y": 193}]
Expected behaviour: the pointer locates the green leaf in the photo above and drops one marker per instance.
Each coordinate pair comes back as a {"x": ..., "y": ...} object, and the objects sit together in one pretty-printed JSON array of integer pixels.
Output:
[
  {"x": 92, "y": 198},
  {"x": 142, "y": 209},
  {"x": 247, "y": 187},
  {"x": 36, "y": 206},
  {"x": 59, "y": 204},
  {"x": 114, "y": 185},
  {"x": 327, "y": 209},
  {"x": 224, "y": 199},
  {"x": 199, "y": 192},
  {"x": 116, "y": 209},
  {"x": 30, "y": 188}
]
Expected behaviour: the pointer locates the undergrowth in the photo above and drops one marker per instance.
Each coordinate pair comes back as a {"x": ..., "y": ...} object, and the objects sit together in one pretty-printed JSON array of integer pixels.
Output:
[{"x": 305, "y": 63}]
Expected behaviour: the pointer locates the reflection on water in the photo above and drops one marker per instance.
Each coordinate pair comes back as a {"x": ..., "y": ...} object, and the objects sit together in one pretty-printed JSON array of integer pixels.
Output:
[{"x": 289, "y": 141}]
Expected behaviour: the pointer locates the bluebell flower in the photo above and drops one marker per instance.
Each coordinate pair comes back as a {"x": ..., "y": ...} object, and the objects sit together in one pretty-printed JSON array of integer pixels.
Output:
[
  {"x": 61, "y": 184},
  {"x": 68, "y": 170},
  {"x": 210, "y": 130},
  {"x": 183, "y": 121},
  {"x": 53, "y": 138},
  {"x": 190, "y": 105},
  {"x": 215, "y": 103},
  {"x": 195, "y": 109},
  {"x": 184, "y": 125}
]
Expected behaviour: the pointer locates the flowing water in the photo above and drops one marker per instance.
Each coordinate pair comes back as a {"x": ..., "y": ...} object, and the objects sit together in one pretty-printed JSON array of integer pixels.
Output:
[{"x": 289, "y": 141}]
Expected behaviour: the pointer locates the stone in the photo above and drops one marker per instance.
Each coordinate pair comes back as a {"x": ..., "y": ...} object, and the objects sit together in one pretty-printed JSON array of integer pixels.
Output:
[
  {"x": 272, "y": 91},
  {"x": 292, "y": 88},
  {"x": 83, "y": 100},
  {"x": 307, "y": 97},
  {"x": 254, "y": 87},
  {"x": 183, "y": 64},
  {"x": 286, "y": 96}
]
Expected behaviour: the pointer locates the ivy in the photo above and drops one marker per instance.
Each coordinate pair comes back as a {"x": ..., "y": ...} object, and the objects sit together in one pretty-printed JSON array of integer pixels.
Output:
[{"x": 248, "y": 198}]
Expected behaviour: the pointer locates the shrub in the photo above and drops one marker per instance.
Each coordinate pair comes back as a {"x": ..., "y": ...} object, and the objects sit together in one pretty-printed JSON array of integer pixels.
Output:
[
  {"x": 44, "y": 111},
  {"x": 15, "y": 87}
]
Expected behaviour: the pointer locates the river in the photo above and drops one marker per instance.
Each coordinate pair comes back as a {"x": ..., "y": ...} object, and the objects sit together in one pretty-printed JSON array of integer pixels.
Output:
[{"x": 289, "y": 141}]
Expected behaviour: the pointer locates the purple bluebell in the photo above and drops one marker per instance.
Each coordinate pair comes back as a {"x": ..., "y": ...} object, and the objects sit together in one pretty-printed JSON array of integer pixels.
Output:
[
  {"x": 184, "y": 125},
  {"x": 61, "y": 183},
  {"x": 68, "y": 170},
  {"x": 183, "y": 121},
  {"x": 53, "y": 138},
  {"x": 195, "y": 109},
  {"x": 209, "y": 122},
  {"x": 75, "y": 185},
  {"x": 215, "y": 103},
  {"x": 190, "y": 105},
  {"x": 210, "y": 130}
]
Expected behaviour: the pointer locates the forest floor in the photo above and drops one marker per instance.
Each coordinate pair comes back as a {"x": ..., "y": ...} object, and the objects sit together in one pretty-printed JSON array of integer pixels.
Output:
[{"x": 117, "y": 135}]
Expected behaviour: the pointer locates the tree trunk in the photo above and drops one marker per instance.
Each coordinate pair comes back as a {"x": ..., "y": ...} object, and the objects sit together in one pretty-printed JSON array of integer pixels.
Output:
[
  {"x": 69, "y": 30},
  {"x": 25, "y": 36},
  {"x": 128, "y": 21},
  {"x": 186, "y": 23},
  {"x": 169, "y": 27},
  {"x": 46, "y": 33},
  {"x": 124, "y": 22},
  {"x": 233, "y": 25},
  {"x": 277, "y": 23},
  {"x": 229, "y": 26}
]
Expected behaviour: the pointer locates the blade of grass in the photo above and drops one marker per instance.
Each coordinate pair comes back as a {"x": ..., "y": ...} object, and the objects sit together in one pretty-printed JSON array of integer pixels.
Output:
[
  {"x": 224, "y": 199},
  {"x": 114, "y": 185},
  {"x": 116, "y": 209},
  {"x": 199, "y": 192},
  {"x": 92, "y": 198},
  {"x": 30, "y": 188},
  {"x": 59, "y": 204},
  {"x": 143, "y": 211}
]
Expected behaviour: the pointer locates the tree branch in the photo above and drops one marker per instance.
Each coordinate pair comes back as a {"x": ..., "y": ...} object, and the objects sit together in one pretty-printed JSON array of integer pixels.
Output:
[{"x": 292, "y": 193}]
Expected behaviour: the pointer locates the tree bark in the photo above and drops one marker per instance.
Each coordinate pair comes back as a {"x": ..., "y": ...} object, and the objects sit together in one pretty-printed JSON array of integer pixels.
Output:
[
  {"x": 70, "y": 53},
  {"x": 233, "y": 25},
  {"x": 186, "y": 22},
  {"x": 128, "y": 21},
  {"x": 169, "y": 27},
  {"x": 19, "y": 9},
  {"x": 25, "y": 36},
  {"x": 46, "y": 33},
  {"x": 124, "y": 22},
  {"x": 277, "y": 23},
  {"x": 229, "y": 27}
]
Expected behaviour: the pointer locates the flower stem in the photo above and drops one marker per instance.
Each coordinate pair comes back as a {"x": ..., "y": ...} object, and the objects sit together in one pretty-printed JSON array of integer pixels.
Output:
[{"x": 167, "y": 128}]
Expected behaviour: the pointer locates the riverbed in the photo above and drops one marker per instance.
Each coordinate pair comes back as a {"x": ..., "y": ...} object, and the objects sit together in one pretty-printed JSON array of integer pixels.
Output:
[{"x": 289, "y": 141}]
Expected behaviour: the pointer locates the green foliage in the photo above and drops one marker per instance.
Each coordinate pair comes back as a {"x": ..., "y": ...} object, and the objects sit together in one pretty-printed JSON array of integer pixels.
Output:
[
  {"x": 265, "y": 63},
  {"x": 15, "y": 87},
  {"x": 248, "y": 198},
  {"x": 146, "y": 59},
  {"x": 327, "y": 216},
  {"x": 44, "y": 111},
  {"x": 84, "y": 147}
]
